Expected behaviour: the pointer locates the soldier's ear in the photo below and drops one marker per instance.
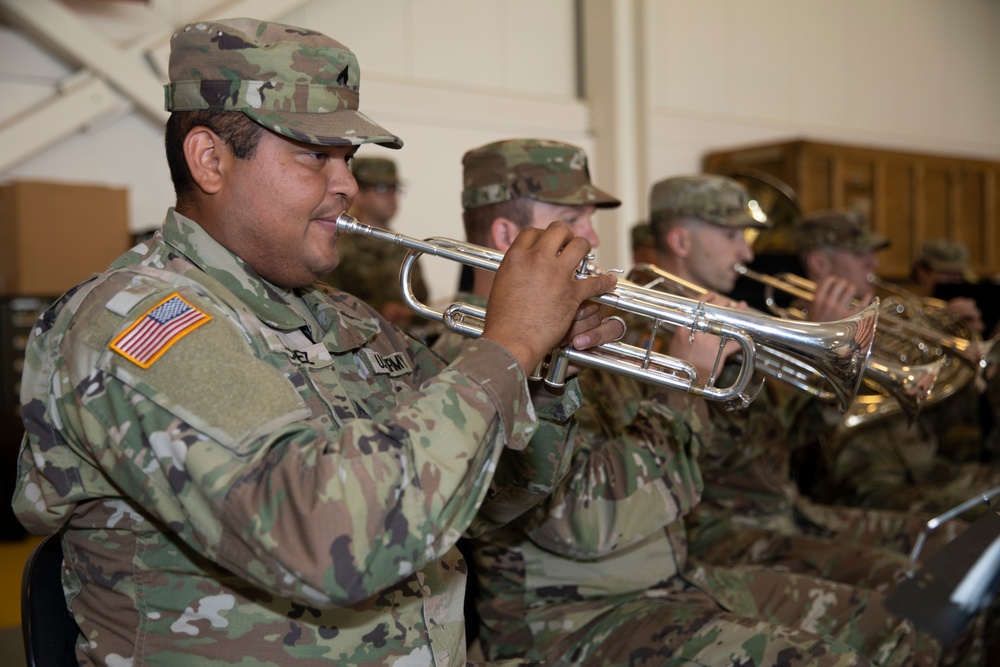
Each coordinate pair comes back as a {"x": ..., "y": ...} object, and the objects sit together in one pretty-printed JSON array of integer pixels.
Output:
[
  {"x": 818, "y": 264},
  {"x": 678, "y": 240},
  {"x": 502, "y": 233},
  {"x": 206, "y": 155}
]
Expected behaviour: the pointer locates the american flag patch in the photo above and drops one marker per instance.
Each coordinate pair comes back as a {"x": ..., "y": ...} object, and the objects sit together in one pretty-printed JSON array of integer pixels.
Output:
[{"x": 163, "y": 325}]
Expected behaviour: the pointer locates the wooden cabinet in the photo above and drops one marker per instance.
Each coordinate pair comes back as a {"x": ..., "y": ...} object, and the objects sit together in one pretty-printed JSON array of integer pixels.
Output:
[{"x": 908, "y": 197}]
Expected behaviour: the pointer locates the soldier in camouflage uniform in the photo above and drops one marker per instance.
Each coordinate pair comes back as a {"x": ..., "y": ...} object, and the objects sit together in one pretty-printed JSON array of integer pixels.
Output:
[
  {"x": 752, "y": 511},
  {"x": 889, "y": 463},
  {"x": 245, "y": 466},
  {"x": 369, "y": 268},
  {"x": 597, "y": 574}
]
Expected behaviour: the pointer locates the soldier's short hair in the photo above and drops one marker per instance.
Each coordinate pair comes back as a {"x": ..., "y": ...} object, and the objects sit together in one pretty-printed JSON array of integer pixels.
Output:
[{"x": 239, "y": 132}]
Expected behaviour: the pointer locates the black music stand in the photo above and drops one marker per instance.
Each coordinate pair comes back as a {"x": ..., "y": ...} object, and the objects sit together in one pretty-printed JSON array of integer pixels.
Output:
[{"x": 958, "y": 581}]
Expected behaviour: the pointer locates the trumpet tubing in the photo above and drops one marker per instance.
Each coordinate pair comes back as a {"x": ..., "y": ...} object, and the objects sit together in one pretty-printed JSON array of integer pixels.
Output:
[{"x": 843, "y": 346}]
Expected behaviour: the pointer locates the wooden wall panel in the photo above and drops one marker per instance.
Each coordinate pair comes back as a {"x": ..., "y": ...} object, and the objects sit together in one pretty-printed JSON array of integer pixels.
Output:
[
  {"x": 895, "y": 213},
  {"x": 970, "y": 209},
  {"x": 935, "y": 204},
  {"x": 909, "y": 197}
]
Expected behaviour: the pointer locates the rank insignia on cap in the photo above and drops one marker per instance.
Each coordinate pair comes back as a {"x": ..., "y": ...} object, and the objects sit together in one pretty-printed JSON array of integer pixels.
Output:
[{"x": 160, "y": 327}]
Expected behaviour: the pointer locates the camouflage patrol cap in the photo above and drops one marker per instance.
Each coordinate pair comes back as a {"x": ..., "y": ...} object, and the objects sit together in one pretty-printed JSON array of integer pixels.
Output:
[
  {"x": 547, "y": 171},
  {"x": 844, "y": 230},
  {"x": 715, "y": 199},
  {"x": 296, "y": 82},
  {"x": 945, "y": 255},
  {"x": 374, "y": 171}
]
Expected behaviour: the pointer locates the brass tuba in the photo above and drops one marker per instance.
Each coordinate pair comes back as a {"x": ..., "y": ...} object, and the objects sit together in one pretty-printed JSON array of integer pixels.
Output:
[{"x": 839, "y": 348}]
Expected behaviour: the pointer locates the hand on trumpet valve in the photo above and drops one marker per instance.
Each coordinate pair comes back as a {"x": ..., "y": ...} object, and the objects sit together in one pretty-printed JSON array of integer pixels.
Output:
[{"x": 536, "y": 298}]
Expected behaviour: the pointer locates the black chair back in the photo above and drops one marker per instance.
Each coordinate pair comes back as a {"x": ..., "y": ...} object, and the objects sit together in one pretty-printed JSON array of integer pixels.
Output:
[{"x": 49, "y": 631}]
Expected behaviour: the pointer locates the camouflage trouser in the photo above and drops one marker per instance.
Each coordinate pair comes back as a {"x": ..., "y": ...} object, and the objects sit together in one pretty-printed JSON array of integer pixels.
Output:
[
  {"x": 885, "y": 468},
  {"x": 847, "y": 549},
  {"x": 688, "y": 628},
  {"x": 852, "y": 615},
  {"x": 748, "y": 616},
  {"x": 866, "y": 548},
  {"x": 727, "y": 617}
]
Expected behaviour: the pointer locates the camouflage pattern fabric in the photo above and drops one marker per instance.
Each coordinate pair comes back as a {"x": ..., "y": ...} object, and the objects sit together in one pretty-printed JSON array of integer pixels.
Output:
[
  {"x": 297, "y": 82},
  {"x": 539, "y": 169},
  {"x": 945, "y": 255},
  {"x": 845, "y": 230},
  {"x": 374, "y": 171},
  {"x": 752, "y": 511},
  {"x": 895, "y": 465},
  {"x": 596, "y": 574},
  {"x": 716, "y": 199},
  {"x": 280, "y": 478},
  {"x": 369, "y": 270}
]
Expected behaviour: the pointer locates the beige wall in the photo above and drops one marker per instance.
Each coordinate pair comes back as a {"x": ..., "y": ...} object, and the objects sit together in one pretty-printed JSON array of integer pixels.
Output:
[{"x": 676, "y": 77}]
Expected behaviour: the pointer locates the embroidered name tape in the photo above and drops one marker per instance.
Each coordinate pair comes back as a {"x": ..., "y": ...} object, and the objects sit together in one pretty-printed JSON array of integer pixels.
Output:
[
  {"x": 160, "y": 327},
  {"x": 393, "y": 365}
]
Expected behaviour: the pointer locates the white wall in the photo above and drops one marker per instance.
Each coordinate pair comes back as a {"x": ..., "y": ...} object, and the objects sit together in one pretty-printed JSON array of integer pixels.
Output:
[
  {"x": 448, "y": 75},
  {"x": 917, "y": 75}
]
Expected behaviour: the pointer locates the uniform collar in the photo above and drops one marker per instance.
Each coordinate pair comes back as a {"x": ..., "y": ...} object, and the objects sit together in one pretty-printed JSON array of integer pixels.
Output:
[
  {"x": 188, "y": 238},
  {"x": 269, "y": 302}
]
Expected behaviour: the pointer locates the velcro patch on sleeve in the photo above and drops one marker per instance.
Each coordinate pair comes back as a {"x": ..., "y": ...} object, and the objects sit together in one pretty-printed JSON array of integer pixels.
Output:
[{"x": 158, "y": 329}]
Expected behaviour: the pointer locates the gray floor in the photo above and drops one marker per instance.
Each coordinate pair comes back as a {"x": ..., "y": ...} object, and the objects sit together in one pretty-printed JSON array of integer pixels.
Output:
[{"x": 12, "y": 648}]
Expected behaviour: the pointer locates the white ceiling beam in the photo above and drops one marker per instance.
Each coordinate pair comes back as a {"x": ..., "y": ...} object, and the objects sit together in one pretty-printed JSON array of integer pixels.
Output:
[
  {"x": 65, "y": 34},
  {"x": 74, "y": 107},
  {"x": 137, "y": 72}
]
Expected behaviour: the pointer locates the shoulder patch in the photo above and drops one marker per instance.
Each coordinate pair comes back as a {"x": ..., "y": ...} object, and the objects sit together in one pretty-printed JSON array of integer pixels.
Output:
[{"x": 160, "y": 327}]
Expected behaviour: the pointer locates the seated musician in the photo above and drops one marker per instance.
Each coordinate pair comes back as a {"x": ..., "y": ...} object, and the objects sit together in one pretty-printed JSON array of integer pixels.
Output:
[
  {"x": 598, "y": 573},
  {"x": 931, "y": 465}
]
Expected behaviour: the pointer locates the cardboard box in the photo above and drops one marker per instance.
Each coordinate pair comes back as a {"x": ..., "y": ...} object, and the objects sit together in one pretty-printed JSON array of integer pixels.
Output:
[{"x": 55, "y": 235}]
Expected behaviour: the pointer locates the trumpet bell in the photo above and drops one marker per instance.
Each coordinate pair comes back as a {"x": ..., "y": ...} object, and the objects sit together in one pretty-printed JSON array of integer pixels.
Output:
[{"x": 827, "y": 359}]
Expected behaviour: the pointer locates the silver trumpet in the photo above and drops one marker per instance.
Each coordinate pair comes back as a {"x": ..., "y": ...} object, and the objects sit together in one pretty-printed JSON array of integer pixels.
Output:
[
  {"x": 910, "y": 386},
  {"x": 838, "y": 348}
]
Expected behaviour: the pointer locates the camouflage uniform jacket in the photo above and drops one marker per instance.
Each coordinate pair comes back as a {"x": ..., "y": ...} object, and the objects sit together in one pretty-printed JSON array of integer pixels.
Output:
[
  {"x": 286, "y": 482},
  {"x": 610, "y": 532}
]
